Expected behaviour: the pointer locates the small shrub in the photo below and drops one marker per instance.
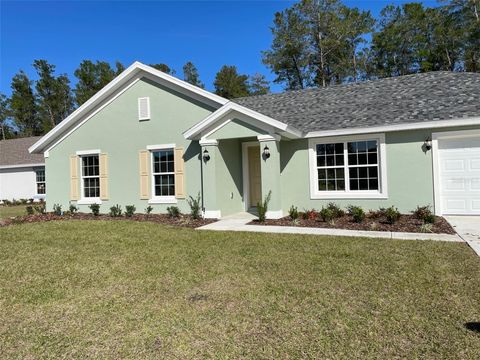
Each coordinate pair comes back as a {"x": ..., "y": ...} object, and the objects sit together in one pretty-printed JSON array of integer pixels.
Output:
[
  {"x": 23, "y": 201},
  {"x": 391, "y": 214},
  {"x": 262, "y": 207},
  {"x": 374, "y": 226},
  {"x": 73, "y": 209},
  {"x": 40, "y": 208},
  {"x": 337, "y": 212},
  {"x": 293, "y": 213},
  {"x": 57, "y": 209},
  {"x": 30, "y": 210},
  {"x": 116, "y": 211},
  {"x": 173, "y": 211},
  {"x": 148, "y": 210},
  {"x": 357, "y": 213},
  {"x": 309, "y": 214},
  {"x": 426, "y": 228},
  {"x": 327, "y": 214},
  {"x": 425, "y": 214},
  {"x": 95, "y": 208},
  {"x": 194, "y": 204},
  {"x": 130, "y": 210}
]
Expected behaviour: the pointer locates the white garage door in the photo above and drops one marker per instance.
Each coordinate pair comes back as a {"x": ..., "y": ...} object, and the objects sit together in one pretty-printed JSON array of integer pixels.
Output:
[{"x": 459, "y": 175}]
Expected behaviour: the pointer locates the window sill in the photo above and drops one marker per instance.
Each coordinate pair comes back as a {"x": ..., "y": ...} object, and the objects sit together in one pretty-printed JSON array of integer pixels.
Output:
[
  {"x": 350, "y": 195},
  {"x": 89, "y": 201},
  {"x": 163, "y": 200}
]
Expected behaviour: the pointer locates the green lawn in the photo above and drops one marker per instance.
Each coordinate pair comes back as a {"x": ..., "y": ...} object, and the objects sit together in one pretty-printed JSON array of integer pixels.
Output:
[
  {"x": 77, "y": 289},
  {"x": 9, "y": 211}
]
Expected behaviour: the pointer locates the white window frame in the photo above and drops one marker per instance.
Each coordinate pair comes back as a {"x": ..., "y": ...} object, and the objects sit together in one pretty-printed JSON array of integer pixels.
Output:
[
  {"x": 160, "y": 199},
  {"x": 40, "y": 182},
  {"x": 140, "y": 117},
  {"x": 382, "y": 193},
  {"x": 88, "y": 200}
]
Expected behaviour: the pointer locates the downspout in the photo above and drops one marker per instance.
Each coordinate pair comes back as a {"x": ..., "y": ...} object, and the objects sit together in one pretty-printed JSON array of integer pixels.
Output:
[{"x": 201, "y": 180}]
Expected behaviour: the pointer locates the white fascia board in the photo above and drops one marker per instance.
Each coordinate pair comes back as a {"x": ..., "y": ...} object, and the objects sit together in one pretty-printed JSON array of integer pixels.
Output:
[
  {"x": 230, "y": 107},
  {"x": 397, "y": 127},
  {"x": 120, "y": 80},
  {"x": 21, "y": 166}
]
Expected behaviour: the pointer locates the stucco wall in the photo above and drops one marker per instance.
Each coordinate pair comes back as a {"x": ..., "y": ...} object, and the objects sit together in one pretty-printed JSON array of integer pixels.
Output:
[
  {"x": 18, "y": 183},
  {"x": 117, "y": 131}
]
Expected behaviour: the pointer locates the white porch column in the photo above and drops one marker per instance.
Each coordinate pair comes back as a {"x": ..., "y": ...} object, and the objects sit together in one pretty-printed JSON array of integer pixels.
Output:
[{"x": 210, "y": 151}]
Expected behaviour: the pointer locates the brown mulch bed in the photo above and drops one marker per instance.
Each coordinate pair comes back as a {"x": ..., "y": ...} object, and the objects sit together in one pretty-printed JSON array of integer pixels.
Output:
[
  {"x": 406, "y": 223},
  {"x": 183, "y": 220}
]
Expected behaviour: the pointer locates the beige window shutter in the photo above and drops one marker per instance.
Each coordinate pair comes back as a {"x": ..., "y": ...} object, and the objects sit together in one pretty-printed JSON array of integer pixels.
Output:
[
  {"x": 179, "y": 173},
  {"x": 103, "y": 164},
  {"x": 143, "y": 157},
  {"x": 74, "y": 183}
]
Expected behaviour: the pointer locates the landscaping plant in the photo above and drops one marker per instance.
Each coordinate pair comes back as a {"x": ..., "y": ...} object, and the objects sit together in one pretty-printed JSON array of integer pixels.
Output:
[
  {"x": 57, "y": 209},
  {"x": 425, "y": 214},
  {"x": 357, "y": 213},
  {"x": 173, "y": 211},
  {"x": 262, "y": 207},
  {"x": 116, "y": 211},
  {"x": 148, "y": 210},
  {"x": 95, "y": 208},
  {"x": 73, "y": 209},
  {"x": 130, "y": 210},
  {"x": 391, "y": 214},
  {"x": 327, "y": 214},
  {"x": 309, "y": 214},
  {"x": 337, "y": 212},
  {"x": 293, "y": 213},
  {"x": 29, "y": 210},
  {"x": 40, "y": 208},
  {"x": 194, "y": 204}
]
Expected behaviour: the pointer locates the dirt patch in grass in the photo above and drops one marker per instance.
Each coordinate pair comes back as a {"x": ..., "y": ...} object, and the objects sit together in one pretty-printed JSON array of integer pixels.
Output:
[
  {"x": 406, "y": 223},
  {"x": 182, "y": 220}
]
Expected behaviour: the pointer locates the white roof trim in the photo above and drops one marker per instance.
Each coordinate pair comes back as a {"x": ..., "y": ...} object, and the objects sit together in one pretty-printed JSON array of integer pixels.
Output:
[
  {"x": 127, "y": 75},
  {"x": 397, "y": 127},
  {"x": 195, "y": 130},
  {"x": 20, "y": 166}
]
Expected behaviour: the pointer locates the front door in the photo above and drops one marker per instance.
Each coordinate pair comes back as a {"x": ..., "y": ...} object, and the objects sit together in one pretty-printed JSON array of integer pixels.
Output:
[{"x": 254, "y": 176}]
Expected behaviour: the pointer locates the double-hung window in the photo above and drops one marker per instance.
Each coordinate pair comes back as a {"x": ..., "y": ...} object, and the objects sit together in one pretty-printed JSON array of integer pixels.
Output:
[
  {"x": 163, "y": 174},
  {"x": 90, "y": 176},
  {"x": 348, "y": 167},
  {"x": 40, "y": 179}
]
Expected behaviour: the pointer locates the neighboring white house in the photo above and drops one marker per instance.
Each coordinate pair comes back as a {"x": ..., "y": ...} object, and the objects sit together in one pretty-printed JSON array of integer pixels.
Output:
[{"x": 22, "y": 175}]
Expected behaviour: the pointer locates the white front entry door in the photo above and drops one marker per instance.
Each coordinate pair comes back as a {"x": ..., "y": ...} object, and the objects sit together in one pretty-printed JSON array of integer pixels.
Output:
[{"x": 459, "y": 175}]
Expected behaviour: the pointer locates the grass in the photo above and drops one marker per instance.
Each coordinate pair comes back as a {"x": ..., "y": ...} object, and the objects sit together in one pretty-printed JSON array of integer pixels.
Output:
[
  {"x": 98, "y": 289},
  {"x": 10, "y": 211}
]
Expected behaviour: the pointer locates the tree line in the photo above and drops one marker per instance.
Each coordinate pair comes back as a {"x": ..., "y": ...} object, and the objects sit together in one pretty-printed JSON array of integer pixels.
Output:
[{"x": 316, "y": 43}]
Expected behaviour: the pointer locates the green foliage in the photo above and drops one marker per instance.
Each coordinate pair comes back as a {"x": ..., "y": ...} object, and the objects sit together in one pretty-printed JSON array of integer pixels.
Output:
[
  {"x": 54, "y": 97},
  {"x": 130, "y": 210},
  {"x": 148, "y": 210},
  {"x": 392, "y": 215},
  {"x": 57, "y": 209},
  {"x": 258, "y": 85},
  {"x": 336, "y": 210},
  {"x": 116, "y": 211},
  {"x": 195, "y": 208},
  {"x": 173, "y": 211},
  {"x": 190, "y": 75},
  {"x": 95, "y": 208},
  {"x": 357, "y": 213},
  {"x": 293, "y": 213},
  {"x": 309, "y": 214},
  {"x": 5, "y": 130},
  {"x": 425, "y": 214},
  {"x": 23, "y": 109},
  {"x": 230, "y": 84},
  {"x": 30, "y": 210},
  {"x": 327, "y": 214},
  {"x": 426, "y": 228},
  {"x": 73, "y": 209},
  {"x": 262, "y": 207},
  {"x": 163, "y": 68},
  {"x": 40, "y": 208}
]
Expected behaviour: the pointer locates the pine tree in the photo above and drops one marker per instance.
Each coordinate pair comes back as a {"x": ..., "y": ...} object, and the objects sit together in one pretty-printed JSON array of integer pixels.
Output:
[
  {"x": 92, "y": 77},
  {"x": 163, "y": 67},
  {"x": 258, "y": 85},
  {"x": 229, "y": 84},
  {"x": 22, "y": 106},
  {"x": 190, "y": 75}
]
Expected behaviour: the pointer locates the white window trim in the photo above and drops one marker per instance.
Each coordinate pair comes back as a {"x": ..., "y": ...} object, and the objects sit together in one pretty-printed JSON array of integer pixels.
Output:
[
  {"x": 380, "y": 194},
  {"x": 160, "y": 199},
  {"x": 87, "y": 200},
  {"x": 140, "y": 118},
  {"x": 37, "y": 182}
]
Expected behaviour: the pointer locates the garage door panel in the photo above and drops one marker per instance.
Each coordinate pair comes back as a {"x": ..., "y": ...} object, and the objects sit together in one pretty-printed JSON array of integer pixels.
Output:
[{"x": 459, "y": 175}]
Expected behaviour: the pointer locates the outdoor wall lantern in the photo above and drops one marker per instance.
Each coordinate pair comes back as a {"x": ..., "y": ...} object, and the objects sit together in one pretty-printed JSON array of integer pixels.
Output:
[
  {"x": 427, "y": 144},
  {"x": 206, "y": 155},
  {"x": 266, "y": 152}
]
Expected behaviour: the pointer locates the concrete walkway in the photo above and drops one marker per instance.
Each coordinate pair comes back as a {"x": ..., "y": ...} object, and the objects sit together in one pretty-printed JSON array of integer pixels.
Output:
[
  {"x": 238, "y": 222},
  {"x": 468, "y": 227}
]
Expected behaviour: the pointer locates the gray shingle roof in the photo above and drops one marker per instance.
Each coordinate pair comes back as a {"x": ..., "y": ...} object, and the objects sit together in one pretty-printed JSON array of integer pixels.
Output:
[
  {"x": 429, "y": 96},
  {"x": 15, "y": 152}
]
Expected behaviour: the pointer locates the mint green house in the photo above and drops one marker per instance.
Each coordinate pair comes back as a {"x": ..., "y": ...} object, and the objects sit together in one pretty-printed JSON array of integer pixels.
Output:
[{"x": 148, "y": 138}]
